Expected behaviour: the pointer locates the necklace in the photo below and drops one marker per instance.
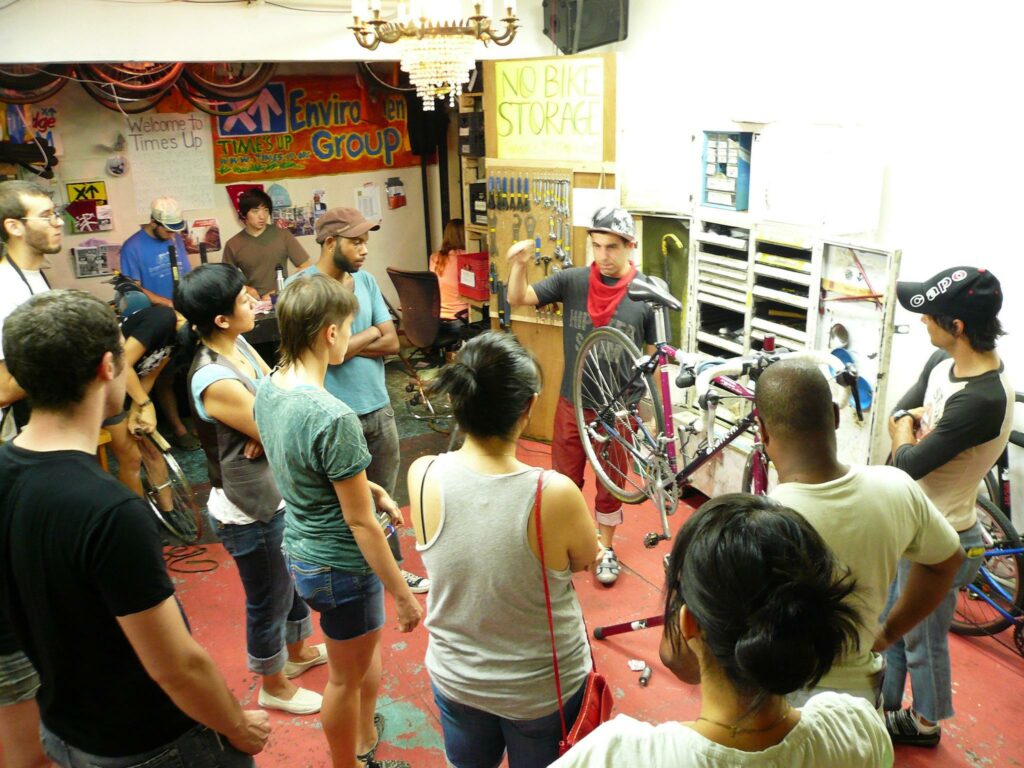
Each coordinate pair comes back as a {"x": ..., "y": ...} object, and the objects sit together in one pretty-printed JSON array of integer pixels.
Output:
[{"x": 736, "y": 730}]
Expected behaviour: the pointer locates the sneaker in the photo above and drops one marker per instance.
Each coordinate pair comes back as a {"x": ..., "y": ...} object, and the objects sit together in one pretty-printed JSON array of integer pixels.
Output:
[
  {"x": 186, "y": 442},
  {"x": 418, "y": 584},
  {"x": 608, "y": 571},
  {"x": 378, "y": 724},
  {"x": 904, "y": 728},
  {"x": 371, "y": 763},
  {"x": 302, "y": 703},
  {"x": 296, "y": 668}
]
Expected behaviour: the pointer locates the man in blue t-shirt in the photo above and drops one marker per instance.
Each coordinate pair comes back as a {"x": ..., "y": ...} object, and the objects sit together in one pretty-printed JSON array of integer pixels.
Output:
[
  {"x": 359, "y": 381},
  {"x": 145, "y": 256}
]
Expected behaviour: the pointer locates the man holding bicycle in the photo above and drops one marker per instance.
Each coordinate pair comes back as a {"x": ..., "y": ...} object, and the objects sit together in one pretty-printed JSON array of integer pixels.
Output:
[
  {"x": 592, "y": 296},
  {"x": 947, "y": 432}
]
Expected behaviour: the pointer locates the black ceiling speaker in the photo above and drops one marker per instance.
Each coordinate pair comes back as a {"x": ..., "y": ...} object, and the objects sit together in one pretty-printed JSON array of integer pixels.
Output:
[{"x": 579, "y": 25}]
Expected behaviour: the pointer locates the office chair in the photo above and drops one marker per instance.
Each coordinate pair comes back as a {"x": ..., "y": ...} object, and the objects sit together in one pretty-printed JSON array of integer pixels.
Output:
[{"x": 419, "y": 298}]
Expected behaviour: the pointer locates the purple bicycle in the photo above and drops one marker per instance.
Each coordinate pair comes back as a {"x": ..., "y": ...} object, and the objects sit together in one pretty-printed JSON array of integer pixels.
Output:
[{"x": 627, "y": 425}]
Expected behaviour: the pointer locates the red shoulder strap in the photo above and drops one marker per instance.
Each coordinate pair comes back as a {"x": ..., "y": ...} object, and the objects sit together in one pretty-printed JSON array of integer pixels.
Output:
[{"x": 547, "y": 602}]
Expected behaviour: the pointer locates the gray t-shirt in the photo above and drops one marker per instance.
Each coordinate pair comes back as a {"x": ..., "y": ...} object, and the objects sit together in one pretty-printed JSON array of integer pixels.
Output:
[{"x": 570, "y": 286}]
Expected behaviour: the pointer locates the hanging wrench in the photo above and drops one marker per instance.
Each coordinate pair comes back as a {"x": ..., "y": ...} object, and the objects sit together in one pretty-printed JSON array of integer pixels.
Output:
[
  {"x": 531, "y": 226},
  {"x": 517, "y": 221},
  {"x": 547, "y": 193},
  {"x": 492, "y": 233},
  {"x": 536, "y": 190},
  {"x": 551, "y": 228}
]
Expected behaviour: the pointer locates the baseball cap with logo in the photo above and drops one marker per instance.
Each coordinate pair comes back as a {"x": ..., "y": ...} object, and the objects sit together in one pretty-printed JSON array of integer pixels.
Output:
[
  {"x": 166, "y": 212},
  {"x": 615, "y": 221},
  {"x": 965, "y": 293},
  {"x": 343, "y": 222}
]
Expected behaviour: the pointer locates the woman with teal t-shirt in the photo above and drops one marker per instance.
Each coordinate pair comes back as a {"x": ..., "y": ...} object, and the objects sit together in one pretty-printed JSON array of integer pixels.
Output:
[{"x": 336, "y": 548}]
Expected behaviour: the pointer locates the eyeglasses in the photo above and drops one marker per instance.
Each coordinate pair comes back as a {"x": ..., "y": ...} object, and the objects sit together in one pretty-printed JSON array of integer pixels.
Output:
[{"x": 54, "y": 219}]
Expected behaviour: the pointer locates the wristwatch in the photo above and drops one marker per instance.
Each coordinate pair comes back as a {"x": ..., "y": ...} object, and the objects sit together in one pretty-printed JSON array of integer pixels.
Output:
[{"x": 899, "y": 413}]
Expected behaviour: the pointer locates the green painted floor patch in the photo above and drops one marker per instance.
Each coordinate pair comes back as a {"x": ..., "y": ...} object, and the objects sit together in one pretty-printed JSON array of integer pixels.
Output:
[{"x": 406, "y": 726}]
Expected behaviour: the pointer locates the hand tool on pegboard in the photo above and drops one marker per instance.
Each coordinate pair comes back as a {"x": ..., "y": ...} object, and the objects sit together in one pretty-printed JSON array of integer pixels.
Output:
[
  {"x": 492, "y": 198},
  {"x": 503, "y": 195}
]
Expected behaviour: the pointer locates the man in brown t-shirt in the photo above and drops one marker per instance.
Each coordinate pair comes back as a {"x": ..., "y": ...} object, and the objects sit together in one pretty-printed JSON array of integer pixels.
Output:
[{"x": 258, "y": 249}]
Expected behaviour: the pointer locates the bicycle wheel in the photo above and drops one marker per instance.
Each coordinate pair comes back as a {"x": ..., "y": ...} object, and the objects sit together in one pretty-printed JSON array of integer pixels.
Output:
[
  {"x": 989, "y": 488},
  {"x": 758, "y": 456},
  {"x": 168, "y": 491},
  {"x": 973, "y": 615},
  {"x": 618, "y": 414}
]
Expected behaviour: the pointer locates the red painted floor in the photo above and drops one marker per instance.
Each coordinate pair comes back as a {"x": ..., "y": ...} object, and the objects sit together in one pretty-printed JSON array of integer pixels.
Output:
[{"x": 988, "y": 679}]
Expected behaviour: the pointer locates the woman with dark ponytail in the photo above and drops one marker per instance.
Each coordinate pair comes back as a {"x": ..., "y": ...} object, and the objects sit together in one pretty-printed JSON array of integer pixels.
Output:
[
  {"x": 245, "y": 507},
  {"x": 755, "y": 608},
  {"x": 489, "y": 655}
]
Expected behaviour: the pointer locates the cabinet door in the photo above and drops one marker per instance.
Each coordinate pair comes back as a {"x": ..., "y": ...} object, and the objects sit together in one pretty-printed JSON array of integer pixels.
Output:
[{"x": 858, "y": 290}]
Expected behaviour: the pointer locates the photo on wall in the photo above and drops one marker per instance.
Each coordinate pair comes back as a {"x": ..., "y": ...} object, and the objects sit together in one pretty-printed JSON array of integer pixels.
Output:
[{"x": 91, "y": 261}]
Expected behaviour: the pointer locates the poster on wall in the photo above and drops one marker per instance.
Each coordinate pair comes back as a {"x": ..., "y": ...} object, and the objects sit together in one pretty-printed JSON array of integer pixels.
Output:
[
  {"x": 311, "y": 126},
  {"x": 26, "y": 122},
  {"x": 88, "y": 209},
  {"x": 95, "y": 258},
  {"x": 202, "y": 232},
  {"x": 170, "y": 155}
]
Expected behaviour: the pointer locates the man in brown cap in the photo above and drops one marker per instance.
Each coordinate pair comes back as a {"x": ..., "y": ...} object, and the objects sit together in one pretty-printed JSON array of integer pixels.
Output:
[{"x": 343, "y": 234}]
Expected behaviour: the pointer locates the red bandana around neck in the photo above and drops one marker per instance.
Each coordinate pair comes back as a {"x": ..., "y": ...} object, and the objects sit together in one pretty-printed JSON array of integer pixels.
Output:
[{"x": 603, "y": 300}]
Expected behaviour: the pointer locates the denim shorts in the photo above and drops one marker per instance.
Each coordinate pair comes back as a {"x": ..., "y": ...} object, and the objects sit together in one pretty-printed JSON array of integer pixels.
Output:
[
  {"x": 350, "y": 604},
  {"x": 19, "y": 680}
]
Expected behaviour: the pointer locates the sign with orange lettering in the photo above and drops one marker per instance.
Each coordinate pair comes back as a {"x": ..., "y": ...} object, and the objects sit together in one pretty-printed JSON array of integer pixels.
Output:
[{"x": 311, "y": 126}]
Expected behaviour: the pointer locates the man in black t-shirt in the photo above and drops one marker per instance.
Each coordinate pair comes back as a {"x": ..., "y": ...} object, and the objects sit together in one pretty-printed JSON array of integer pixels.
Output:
[
  {"x": 592, "y": 296},
  {"x": 83, "y": 584}
]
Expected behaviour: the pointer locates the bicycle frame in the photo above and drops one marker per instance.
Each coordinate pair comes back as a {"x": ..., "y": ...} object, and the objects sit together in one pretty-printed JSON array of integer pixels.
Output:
[{"x": 994, "y": 584}]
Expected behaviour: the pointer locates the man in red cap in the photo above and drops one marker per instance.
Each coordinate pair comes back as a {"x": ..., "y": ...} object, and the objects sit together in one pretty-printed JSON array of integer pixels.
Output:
[
  {"x": 947, "y": 432},
  {"x": 343, "y": 234}
]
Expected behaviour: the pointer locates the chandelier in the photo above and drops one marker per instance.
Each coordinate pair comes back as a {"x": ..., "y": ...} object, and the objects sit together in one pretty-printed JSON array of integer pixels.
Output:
[{"x": 436, "y": 45}]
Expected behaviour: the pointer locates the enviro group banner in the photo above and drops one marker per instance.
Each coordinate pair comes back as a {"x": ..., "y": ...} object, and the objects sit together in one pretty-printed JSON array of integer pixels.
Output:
[{"x": 311, "y": 126}]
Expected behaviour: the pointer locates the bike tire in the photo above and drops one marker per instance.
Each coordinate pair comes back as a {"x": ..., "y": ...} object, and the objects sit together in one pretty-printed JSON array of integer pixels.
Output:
[
  {"x": 31, "y": 96},
  {"x": 32, "y": 77},
  {"x": 182, "y": 520},
  {"x": 756, "y": 454},
  {"x": 990, "y": 487},
  {"x": 233, "y": 86},
  {"x": 634, "y": 404},
  {"x": 974, "y": 617}
]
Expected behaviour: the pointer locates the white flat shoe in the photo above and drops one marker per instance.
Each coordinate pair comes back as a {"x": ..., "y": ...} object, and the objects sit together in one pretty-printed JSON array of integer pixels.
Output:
[
  {"x": 302, "y": 703},
  {"x": 296, "y": 668}
]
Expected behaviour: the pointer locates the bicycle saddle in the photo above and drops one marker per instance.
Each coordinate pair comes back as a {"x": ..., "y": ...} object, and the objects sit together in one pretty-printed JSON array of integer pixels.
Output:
[{"x": 653, "y": 289}]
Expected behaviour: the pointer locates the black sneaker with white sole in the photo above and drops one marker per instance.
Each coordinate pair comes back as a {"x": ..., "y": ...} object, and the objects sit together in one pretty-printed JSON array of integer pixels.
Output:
[{"x": 904, "y": 729}]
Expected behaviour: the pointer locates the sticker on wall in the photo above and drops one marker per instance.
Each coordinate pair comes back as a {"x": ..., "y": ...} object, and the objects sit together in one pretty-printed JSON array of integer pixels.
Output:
[
  {"x": 297, "y": 219},
  {"x": 87, "y": 209},
  {"x": 396, "y": 192},
  {"x": 26, "y": 122},
  {"x": 368, "y": 201},
  {"x": 202, "y": 232},
  {"x": 93, "y": 258},
  {"x": 279, "y": 196},
  {"x": 117, "y": 166}
]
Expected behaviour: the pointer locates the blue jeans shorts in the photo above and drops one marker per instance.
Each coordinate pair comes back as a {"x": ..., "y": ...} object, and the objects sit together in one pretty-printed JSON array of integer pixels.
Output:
[
  {"x": 19, "y": 680},
  {"x": 477, "y": 739},
  {"x": 350, "y": 604}
]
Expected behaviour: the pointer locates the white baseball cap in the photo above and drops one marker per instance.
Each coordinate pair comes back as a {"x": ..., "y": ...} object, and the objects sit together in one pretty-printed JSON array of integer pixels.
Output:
[{"x": 166, "y": 211}]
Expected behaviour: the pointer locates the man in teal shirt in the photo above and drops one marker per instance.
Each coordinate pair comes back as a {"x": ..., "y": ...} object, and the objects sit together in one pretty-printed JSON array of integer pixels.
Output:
[{"x": 343, "y": 234}]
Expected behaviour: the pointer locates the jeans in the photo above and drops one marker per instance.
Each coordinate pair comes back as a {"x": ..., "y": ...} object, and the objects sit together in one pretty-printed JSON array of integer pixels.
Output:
[
  {"x": 924, "y": 650},
  {"x": 350, "y": 604},
  {"x": 197, "y": 748},
  {"x": 275, "y": 616},
  {"x": 381, "y": 435},
  {"x": 477, "y": 739}
]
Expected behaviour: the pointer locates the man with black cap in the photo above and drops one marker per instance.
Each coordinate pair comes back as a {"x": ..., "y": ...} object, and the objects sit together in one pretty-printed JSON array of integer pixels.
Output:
[
  {"x": 343, "y": 234},
  {"x": 592, "y": 296},
  {"x": 947, "y": 432}
]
